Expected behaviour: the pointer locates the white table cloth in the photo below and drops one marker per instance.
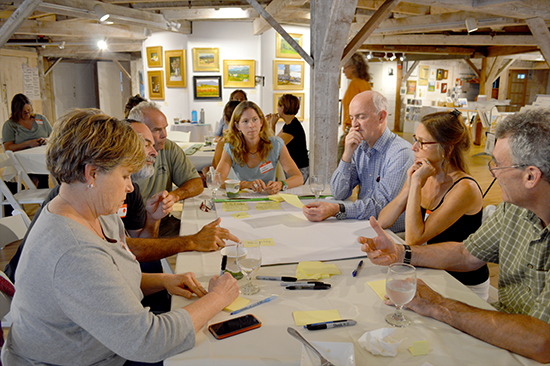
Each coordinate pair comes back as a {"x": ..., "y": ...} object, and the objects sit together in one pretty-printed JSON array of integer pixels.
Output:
[{"x": 198, "y": 131}]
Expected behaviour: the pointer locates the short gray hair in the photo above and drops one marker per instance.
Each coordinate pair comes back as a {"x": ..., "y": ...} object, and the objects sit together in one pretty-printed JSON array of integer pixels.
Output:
[
  {"x": 529, "y": 134},
  {"x": 137, "y": 113},
  {"x": 380, "y": 101}
]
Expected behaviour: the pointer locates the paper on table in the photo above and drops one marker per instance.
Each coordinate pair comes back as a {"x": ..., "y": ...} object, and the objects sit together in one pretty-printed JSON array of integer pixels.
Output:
[
  {"x": 379, "y": 287},
  {"x": 420, "y": 348},
  {"x": 315, "y": 316},
  {"x": 268, "y": 205},
  {"x": 234, "y": 206},
  {"x": 237, "y": 304},
  {"x": 241, "y": 215},
  {"x": 380, "y": 342},
  {"x": 269, "y": 242},
  {"x": 276, "y": 198},
  {"x": 316, "y": 270},
  {"x": 292, "y": 199}
]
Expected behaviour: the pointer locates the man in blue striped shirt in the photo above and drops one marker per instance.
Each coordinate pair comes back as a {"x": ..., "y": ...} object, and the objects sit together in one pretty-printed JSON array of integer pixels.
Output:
[{"x": 374, "y": 158}]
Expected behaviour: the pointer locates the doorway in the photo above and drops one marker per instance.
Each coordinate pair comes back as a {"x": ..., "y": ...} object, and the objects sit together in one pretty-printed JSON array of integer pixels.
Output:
[{"x": 517, "y": 86}]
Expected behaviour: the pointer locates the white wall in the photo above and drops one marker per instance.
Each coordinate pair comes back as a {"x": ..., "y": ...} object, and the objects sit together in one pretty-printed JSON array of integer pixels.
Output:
[{"x": 74, "y": 86}]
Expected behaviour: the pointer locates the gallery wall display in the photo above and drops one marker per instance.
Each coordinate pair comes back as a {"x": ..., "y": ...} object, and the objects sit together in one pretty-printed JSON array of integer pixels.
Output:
[
  {"x": 206, "y": 59},
  {"x": 156, "y": 84},
  {"x": 285, "y": 50},
  {"x": 411, "y": 86},
  {"x": 445, "y": 74},
  {"x": 443, "y": 87},
  {"x": 439, "y": 74},
  {"x": 175, "y": 67},
  {"x": 431, "y": 86},
  {"x": 207, "y": 87},
  {"x": 423, "y": 77},
  {"x": 154, "y": 56},
  {"x": 300, "y": 96},
  {"x": 288, "y": 75},
  {"x": 239, "y": 73}
]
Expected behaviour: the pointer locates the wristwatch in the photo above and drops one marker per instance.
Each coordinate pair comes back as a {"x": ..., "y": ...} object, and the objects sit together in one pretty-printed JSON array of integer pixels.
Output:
[
  {"x": 285, "y": 186},
  {"x": 340, "y": 215},
  {"x": 408, "y": 253}
]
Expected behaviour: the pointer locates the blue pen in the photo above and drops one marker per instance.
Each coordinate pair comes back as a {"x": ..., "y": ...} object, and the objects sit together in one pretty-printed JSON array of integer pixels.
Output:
[
  {"x": 268, "y": 299},
  {"x": 356, "y": 270}
]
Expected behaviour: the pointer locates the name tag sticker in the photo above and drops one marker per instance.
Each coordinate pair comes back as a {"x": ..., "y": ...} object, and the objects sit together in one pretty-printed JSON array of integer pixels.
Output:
[
  {"x": 39, "y": 121},
  {"x": 266, "y": 167},
  {"x": 122, "y": 211}
]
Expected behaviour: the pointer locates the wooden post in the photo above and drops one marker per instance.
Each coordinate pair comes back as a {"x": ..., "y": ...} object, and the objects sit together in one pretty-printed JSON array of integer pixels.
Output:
[
  {"x": 399, "y": 80},
  {"x": 46, "y": 107}
]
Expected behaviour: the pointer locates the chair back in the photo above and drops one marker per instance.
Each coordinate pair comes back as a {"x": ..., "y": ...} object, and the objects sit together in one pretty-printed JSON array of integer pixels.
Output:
[
  {"x": 13, "y": 228},
  {"x": 178, "y": 136},
  {"x": 21, "y": 172}
]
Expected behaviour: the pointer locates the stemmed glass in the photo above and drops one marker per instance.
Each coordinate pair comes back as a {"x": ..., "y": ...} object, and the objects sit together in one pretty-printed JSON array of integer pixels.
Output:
[
  {"x": 249, "y": 263},
  {"x": 401, "y": 288},
  {"x": 214, "y": 182},
  {"x": 317, "y": 185}
]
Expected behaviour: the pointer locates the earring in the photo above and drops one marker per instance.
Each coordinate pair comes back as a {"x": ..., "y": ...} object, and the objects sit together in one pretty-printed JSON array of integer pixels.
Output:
[{"x": 91, "y": 186}]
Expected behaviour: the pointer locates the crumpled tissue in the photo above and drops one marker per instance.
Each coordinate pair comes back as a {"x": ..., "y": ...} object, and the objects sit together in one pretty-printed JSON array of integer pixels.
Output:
[{"x": 380, "y": 342}]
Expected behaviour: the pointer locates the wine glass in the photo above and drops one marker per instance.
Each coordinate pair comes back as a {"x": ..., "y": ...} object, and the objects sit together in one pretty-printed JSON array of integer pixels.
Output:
[
  {"x": 249, "y": 263},
  {"x": 317, "y": 185},
  {"x": 214, "y": 182},
  {"x": 401, "y": 288}
]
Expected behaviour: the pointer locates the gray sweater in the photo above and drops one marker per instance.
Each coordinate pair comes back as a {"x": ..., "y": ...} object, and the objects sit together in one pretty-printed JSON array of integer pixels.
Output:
[{"x": 77, "y": 301}]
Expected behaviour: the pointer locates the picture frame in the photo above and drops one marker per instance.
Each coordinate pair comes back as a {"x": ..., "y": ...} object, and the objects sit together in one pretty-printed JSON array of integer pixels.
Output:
[
  {"x": 423, "y": 77},
  {"x": 445, "y": 74},
  {"x": 154, "y": 56},
  {"x": 175, "y": 67},
  {"x": 301, "y": 96},
  {"x": 288, "y": 75},
  {"x": 444, "y": 87},
  {"x": 431, "y": 86},
  {"x": 155, "y": 80},
  {"x": 411, "y": 86},
  {"x": 239, "y": 73},
  {"x": 206, "y": 59},
  {"x": 284, "y": 49},
  {"x": 439, "y": 74},
  {"x": 207, "y": 87}
]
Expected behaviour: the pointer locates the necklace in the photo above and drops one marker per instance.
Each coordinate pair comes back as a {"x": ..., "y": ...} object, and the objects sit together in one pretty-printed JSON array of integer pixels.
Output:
[
  {"x": 88, "y": 221},
  {"x": 253, "y": 154}
]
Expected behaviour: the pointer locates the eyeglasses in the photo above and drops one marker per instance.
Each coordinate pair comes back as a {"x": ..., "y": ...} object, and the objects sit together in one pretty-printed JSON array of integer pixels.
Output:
[
  {"x": 421, "y": 143},
  {"x": 492, "y": 165}
]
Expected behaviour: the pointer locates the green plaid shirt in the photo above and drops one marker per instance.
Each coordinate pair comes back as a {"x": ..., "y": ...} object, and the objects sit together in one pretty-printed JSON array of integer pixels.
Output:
[{"x": 514, "y": 238}]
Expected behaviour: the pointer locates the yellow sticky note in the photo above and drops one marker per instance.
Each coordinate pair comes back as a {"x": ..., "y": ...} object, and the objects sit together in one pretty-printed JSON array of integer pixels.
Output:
[
  {"x": 268, "y": 205},
  {"x": 276, "y": 198},
  {"x": 292, "y": 199},
  {"x": 316, "y": 270},
  {"x": 379, "y": 287},
  {"x": 315, "y": 316},
  {"x": 250, "y": 243},
  {"x": 234, "y": 206},
  {"x": 420, "y": 348},
  {"x": 269, "y": 242},
  {"x": 241, "y": 215},
  {"x": 237, "y": 304}
]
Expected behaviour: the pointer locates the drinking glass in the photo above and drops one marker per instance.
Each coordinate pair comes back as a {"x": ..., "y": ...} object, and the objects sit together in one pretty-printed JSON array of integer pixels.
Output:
[
  {"x": 249, "y": 263},
  {"x": 317, "y": 185},
  {"x": 401, "y": 288},
  {"x": 213, "y": 181}
]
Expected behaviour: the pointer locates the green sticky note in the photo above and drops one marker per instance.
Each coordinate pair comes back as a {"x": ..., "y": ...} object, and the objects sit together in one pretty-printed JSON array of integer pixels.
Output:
[
  {"x": 420, "y": 348},
  {"x": 268, "y": 205},
  {"x": 234, "y": 206},
  {"x": 241, "y": 215}
]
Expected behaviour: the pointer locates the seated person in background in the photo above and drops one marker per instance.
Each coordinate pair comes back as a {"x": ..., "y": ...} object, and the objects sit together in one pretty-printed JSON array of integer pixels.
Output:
[
  {"x": 227, "y": 113},
  {"x": 237, "y": 95},
  {"x": 253, "y": 152},
  {"x": 292, "y": 133},
  {"x": 375, "y": 159},
  {"x": 25, "y": 129},
  {"x": 516, "y": 237},
  {"x": 438, "y": 184},
  {"x": 132, "y": 102},
  {"x": 81, "y": 300},
  {"x": 171, "y": 165}
]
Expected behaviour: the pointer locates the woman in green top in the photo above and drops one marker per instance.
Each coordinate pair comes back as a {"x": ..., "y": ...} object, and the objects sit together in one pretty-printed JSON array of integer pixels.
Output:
[{"x": 25, "y": 129}]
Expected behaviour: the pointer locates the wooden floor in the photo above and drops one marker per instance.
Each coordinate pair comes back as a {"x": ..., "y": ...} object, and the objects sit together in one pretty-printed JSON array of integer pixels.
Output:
[{"x": 478, "y": 169}]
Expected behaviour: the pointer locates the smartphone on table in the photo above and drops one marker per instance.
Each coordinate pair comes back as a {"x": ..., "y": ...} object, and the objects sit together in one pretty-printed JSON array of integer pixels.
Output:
[{"x": 234, "y": 326}]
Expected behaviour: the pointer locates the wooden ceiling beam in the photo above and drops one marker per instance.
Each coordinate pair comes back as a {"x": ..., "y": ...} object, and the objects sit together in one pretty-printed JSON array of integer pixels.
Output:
[
  {"x": 402, "y": 8},
  {"x": 420, "y": 49},
  {"x": 72, "y": 29},
  {"x": 448, "y": 40},
  {"x": 510, "y": 50},
  {"x": 275, "y": 8},
  {"x": 210, "y": 14},
  {"x": 542, "y": 35},
  {"x": 16, "y": 19}
]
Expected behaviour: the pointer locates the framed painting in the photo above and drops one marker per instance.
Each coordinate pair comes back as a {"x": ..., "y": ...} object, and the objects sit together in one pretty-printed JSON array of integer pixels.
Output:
[
  {"x": 154, "y": 56},
  {"x": 445, "y": 74},
  {"x": 288, "y": 75},
  {"x": 439, "y": 74},
  {"x": 239, "y": 74},
  {"x": 411, "y": 86},
  {"x": 156, "y": 84},
  {"x": 443, "y": 87},
  {"x": 431, "y": 86},
  {"x": 206, "y": 59},
  {"x": 423, "y": 77},
  {"x": 207, "y": 87},
  {"x": 285, "y": 50},
  {"x": 175, "y": 68},
  {"x": 300, "y": 96}
]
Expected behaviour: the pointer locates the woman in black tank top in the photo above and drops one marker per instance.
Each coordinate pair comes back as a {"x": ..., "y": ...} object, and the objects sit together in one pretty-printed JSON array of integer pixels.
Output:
[{"x": 440, "y": 200}]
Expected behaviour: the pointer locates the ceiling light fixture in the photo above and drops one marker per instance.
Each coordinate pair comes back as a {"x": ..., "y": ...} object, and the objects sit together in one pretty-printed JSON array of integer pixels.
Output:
[
  {"x": 101, "y": 13},
  {"x": 61, "y": 45},
  {"x": 369, "y": 55},
  {"x": 402, "y": 58},
  {"x": 392, "y": 57},
  {"x": 471, "y": 24},
  {"x": 101, "y": 44}
]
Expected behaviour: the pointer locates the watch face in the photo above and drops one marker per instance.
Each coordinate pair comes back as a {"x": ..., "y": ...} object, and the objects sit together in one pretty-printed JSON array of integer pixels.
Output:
[{"x": 340, "y": 215}]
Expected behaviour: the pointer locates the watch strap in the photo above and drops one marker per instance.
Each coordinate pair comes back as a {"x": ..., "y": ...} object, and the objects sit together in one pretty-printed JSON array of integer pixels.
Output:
[
  {"x": 408, "y": 254},
  {"x": 285, "y": 186},
  {"x": 341, "y": 214}
]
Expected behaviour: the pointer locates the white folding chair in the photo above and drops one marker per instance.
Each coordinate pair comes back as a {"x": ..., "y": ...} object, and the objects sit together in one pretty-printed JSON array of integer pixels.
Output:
[
  {"x": 13, "y": 228},
  {"x": 178, "y": 136}
]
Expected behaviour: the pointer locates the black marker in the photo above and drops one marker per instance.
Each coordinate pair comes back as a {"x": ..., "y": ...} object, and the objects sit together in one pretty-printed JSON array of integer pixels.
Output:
[{"x": 224, "y": 263}]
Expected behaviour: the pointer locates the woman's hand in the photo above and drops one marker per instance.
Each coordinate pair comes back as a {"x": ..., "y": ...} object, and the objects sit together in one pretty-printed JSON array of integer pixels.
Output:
[
  {"x": 425, "y": 169},
  {"x": 274, "y": 187},
  {"x": 272, "y": 119},
  {"x": 225, "y": 286},
  {"x": 184, "y": 284},
  {"x": 257, "y": 185}
]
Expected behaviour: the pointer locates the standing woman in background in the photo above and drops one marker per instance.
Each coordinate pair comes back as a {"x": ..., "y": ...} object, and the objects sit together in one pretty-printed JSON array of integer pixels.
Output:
[
  {"x": 356, "y": 70},
  {"x": 24, "y": 130}
]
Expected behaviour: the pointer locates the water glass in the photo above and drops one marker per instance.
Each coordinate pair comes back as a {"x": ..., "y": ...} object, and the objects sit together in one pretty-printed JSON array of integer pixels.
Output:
[
  {"x": 249, "y": 263},
  {"x": 317, "y": 185},
  {"x": 401, "y": 288},
  {"x": 214, "y": 182}
]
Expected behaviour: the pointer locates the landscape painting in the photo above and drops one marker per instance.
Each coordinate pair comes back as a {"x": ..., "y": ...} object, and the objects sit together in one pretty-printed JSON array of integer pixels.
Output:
[
  {"x": 288, "y": 75},
  {"x": 238, "y": 74},
  {"x": 207, "y": 87},
  {"x": 206, "y": 59}
]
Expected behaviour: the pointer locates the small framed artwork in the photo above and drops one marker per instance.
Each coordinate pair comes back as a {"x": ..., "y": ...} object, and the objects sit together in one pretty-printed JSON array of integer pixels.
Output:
[
  {"x": 175, "y": 69},
  {"x": 300, "y": 96},
  {"x": 239, "y": 74},
  {"x": 288, "y": 75},
  {"x": 207, "y": 87},
  {"x": 431, "y": 86},
  {"x": 423, "y": 77},
  {"x": 156, "y": 84},
  {"x": 411, "y": 86},
  {"x": 439, "y": 74},
  {"x": 445, "y": 74},
  {"x": 285, "y": 50},
  {"x": 154, "y": 56},
  {"x": 443, "y": 87},
  {"x": 437, "y": 85},
  {"x": 206, "y": 59}
]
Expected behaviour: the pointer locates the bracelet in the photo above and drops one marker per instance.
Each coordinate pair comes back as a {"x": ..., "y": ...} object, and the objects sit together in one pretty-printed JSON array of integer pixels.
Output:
[{"x": 408, "y": 253}]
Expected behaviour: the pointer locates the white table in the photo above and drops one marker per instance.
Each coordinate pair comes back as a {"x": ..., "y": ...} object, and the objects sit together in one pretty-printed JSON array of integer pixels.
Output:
[
  {"x": 202, "y": 158},
  {"x": 352, "y": 297},
  {"x": 198, "y": 131},
  {"x": 33, "y": 160}
]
